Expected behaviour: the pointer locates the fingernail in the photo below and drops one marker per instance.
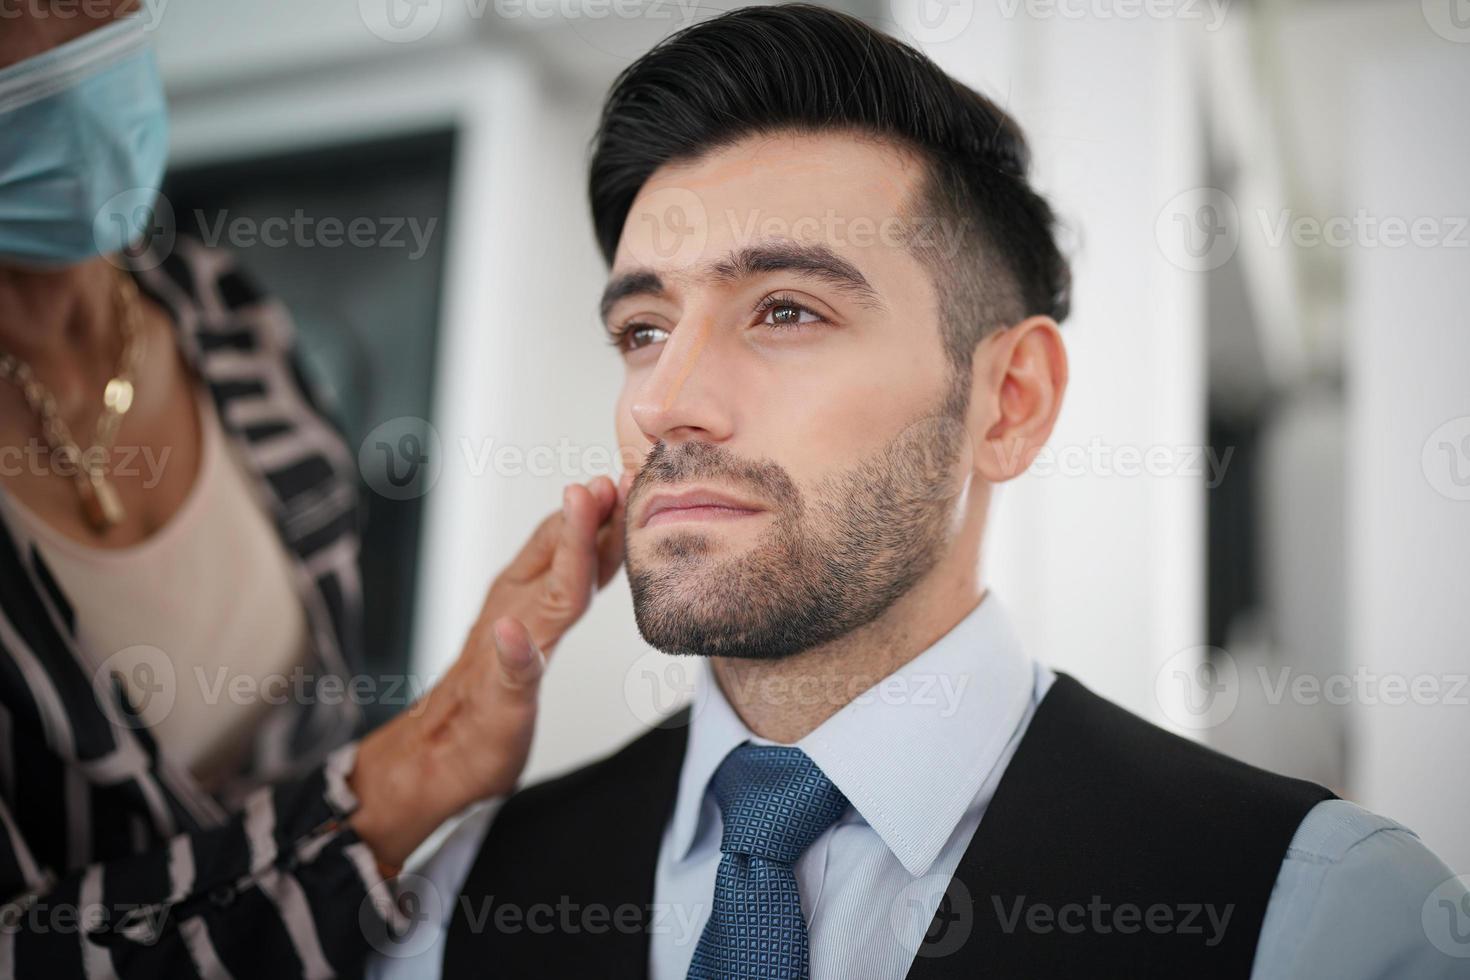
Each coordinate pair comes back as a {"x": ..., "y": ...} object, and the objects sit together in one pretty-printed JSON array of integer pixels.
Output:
[{"x": 517, "y": 657}]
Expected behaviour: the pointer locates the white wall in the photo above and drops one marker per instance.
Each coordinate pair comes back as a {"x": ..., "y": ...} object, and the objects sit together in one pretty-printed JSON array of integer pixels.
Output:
[
  {"x": 1105, "y": 571},
  {"x": 1409, "y": 438}
]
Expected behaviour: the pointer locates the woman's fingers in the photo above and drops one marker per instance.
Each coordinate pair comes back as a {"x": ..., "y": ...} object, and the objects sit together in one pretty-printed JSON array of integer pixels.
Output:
[
  {"x": 569, "y": 583},
  {"x": 605, "y": 492},
  {"x": 625, "y": 485},
  {"x": 519, "y": 664},
  {"x": 573, "y": 552},
  {"x": 611, "y": 540},
  {"x": 536, "y": 555},
  {"x": 610, "y": 546}
]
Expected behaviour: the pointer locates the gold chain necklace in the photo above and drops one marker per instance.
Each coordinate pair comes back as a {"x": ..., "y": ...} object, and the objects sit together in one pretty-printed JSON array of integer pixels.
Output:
[{"x": 100, "y": 504}]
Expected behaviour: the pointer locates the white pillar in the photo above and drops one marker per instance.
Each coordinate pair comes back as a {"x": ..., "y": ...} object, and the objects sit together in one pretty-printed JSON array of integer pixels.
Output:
[{"x": 1408, "y": 476}]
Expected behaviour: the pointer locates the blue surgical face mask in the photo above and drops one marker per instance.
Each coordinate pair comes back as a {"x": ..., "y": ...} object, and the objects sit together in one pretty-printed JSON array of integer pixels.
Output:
[{"x": 83, "y": 140}]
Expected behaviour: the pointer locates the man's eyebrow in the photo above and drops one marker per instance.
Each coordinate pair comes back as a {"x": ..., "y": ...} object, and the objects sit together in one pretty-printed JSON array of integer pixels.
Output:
[
  {"x": 807, "y": 258},
  {"x": 639, "y": 282},
  {"x": 810, "y": 259}
]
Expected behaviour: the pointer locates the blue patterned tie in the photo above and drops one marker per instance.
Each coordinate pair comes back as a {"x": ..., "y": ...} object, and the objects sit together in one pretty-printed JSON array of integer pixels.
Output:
[{"x": 775, "y": 803}]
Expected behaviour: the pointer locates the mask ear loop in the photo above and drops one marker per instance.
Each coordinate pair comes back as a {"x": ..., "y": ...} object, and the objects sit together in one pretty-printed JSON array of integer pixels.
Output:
[{"x": 68, "y": 64}]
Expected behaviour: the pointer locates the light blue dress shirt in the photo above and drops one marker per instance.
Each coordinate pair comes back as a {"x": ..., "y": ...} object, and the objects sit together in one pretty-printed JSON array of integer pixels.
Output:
[{"x": 919, "y": 756}]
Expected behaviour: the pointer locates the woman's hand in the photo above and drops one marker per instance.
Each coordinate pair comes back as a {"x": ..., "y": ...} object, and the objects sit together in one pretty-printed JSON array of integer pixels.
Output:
[
  {"x": 574, "y": 552},
  {"x": 468, "y": 738}
]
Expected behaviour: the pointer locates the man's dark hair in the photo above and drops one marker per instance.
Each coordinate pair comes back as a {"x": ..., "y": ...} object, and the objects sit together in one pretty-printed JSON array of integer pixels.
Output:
[{"x": 802, "y": 67}]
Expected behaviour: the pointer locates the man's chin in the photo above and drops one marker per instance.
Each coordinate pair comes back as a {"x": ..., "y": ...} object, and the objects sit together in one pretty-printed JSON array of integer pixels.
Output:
[
  {"x": 667, "y": 548},
  {"x": 689, "y": 636},
  {"x": 684, "y": 607}
]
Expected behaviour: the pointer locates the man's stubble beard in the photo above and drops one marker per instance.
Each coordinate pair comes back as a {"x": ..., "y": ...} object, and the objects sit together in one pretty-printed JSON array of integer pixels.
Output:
[{"x": 829, "y": 563}]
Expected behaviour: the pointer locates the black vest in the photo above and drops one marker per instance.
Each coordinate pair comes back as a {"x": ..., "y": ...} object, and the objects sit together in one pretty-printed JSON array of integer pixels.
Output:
[{"x": 1106, "y": 848}]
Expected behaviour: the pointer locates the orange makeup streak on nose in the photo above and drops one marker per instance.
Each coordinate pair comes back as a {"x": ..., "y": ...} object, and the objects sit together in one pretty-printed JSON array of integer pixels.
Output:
[{"x": 701, "y": 338}]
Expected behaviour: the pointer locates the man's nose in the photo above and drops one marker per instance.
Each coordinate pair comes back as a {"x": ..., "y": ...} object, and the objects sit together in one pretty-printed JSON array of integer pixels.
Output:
[{"x": 685, "y": 396}]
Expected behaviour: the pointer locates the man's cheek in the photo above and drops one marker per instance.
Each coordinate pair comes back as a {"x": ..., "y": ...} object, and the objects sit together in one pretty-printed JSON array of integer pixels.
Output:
[
  {"x": 632, "y": 453},
  {"x": 632, "y": 444}
]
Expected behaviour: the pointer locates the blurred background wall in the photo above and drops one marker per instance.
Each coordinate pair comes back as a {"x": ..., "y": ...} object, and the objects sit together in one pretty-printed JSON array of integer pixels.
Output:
[{"x": 1253, "y": 525}]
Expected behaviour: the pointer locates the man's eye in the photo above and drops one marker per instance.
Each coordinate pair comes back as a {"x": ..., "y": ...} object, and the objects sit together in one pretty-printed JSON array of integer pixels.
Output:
[
  {"x": 632, "y": 336},
  {"x": 786, "y": 313}
]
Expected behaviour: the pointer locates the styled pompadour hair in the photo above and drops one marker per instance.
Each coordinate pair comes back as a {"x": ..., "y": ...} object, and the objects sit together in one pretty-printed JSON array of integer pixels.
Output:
[{"x": 801, "y": 67}]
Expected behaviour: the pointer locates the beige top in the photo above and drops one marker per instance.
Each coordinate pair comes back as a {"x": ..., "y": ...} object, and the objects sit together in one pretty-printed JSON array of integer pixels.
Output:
[{"x": 202, "y": 620}]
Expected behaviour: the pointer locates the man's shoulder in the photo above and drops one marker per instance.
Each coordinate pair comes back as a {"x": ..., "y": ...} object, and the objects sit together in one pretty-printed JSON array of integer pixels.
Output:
[
  {"x": 1337, "y": 830},
  {"x": 1359, "y": 895},
  {"x": 1149, "y": 763},
  {"x": 1354, "y": 893},
  {"x": 1356, "y": 851}
]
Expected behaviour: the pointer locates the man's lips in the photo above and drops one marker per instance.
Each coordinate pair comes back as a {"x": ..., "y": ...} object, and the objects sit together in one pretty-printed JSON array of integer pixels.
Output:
[{"x": 697, "y": 504}]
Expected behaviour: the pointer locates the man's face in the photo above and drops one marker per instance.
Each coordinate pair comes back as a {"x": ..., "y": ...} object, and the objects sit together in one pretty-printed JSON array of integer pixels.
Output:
[{"x": 785, "y": 377}]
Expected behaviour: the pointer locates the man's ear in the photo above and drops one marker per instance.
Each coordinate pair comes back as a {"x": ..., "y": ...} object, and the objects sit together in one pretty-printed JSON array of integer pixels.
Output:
[{"x": 1018, "y": 378}]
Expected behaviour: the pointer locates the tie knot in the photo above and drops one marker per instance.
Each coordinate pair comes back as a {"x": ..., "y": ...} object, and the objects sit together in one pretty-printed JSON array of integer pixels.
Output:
[{"x": 774, "y": 801}]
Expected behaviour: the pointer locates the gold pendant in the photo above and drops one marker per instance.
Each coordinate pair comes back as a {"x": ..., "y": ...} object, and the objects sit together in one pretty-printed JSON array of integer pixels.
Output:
[
  {"x": 118, "y": 395},
  {"x": 101, "y": 505}
]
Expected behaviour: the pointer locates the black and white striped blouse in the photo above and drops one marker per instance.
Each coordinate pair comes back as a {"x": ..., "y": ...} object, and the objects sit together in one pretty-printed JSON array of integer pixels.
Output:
[{"x": 114, "y": 862}]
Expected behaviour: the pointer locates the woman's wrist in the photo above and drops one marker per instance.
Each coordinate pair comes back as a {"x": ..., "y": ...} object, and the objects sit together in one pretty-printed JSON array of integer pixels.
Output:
[{"x": 395, "y": 814}]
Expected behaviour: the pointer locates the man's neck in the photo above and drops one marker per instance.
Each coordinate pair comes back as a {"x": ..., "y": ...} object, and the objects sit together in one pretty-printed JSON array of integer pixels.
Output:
[{"x": 783, "y": 700}]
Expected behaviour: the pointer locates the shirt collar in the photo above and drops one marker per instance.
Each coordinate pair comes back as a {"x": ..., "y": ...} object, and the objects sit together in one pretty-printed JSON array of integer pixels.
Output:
[{"x": 910, "y": 753}]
